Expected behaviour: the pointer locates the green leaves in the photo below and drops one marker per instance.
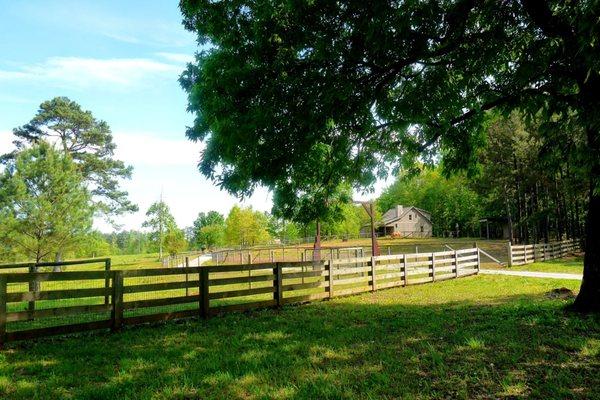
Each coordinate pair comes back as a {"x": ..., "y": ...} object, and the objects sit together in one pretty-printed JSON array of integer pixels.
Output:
[
  {"x": 305, "y": 97},
  {"x": 89, "y": 143},
  {"x": 44, "y": 205},
  {"x": 208, "y": 230},
  {"x": 246, "y": 227}
]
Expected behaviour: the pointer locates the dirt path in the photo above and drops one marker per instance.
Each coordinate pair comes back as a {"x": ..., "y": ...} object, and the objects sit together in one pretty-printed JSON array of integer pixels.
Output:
[
  {"x": 197, "y": 261},
  {"x": 532, "y": 274}
]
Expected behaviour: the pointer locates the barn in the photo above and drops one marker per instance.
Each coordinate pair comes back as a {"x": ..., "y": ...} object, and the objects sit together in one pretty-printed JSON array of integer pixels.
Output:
[{"x": 403, "y": 221}]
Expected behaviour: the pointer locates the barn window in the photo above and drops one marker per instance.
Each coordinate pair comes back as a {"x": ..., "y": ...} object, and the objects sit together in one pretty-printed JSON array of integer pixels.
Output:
[
  {"x": 410, "y": 217},
  {"x": 422, "y": 228}
]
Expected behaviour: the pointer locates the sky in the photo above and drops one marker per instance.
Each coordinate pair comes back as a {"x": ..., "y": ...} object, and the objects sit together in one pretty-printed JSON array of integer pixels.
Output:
[{"x": 121, "y": 60}]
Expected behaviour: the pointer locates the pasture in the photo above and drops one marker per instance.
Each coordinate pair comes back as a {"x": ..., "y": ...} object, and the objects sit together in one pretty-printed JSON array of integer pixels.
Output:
[{"x": 476, "y": 337}]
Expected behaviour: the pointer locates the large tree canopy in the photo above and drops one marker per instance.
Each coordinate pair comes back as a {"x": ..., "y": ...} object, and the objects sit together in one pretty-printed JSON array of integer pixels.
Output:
[
  {"x": 90, "y": 144},
  {"x": 311, "y": 94}
]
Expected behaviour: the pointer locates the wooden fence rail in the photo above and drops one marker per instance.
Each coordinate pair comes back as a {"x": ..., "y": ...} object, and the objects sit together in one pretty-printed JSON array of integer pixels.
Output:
[
  {"x": 530, "y": 253},
  {"x": 149, "y": 295}
]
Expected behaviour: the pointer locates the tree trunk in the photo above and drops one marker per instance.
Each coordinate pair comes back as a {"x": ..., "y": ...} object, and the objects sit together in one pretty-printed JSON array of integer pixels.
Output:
[
  {"x": 317, "y": 245},
  {"x": 588, "y": 298},
  {"x": 58, "y": 258},
  {"x": 509, "y": 216}
]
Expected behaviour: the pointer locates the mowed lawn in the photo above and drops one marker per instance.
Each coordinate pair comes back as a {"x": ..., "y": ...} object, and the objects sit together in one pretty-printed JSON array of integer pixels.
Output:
[
  {"x": 570, "y": 265},
  {"x": 476, "y": 337}
]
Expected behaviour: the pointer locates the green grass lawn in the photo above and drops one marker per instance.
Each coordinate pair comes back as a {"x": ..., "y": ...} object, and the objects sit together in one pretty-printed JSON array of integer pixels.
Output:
[
  {"x": 477, "y": 337},
  {"x": 570, "y": 265}
]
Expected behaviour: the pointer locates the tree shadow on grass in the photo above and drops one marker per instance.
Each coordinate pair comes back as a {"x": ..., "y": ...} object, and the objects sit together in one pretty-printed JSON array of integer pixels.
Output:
[{"x": 369, "y": 346}]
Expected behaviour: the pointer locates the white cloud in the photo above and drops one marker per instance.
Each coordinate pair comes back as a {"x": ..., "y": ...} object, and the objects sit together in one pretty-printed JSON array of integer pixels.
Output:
[
  {"x": 88, "y": 72},
  {"x": 145, "y": 149},
  {"x": 170, "y": 166},
  {"x": 182, "y": 58}
]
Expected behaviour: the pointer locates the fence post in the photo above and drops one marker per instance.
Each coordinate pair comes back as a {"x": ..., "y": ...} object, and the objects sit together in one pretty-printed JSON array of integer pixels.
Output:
[
  {"x": 543, "y": 255},
  {"x": 34, "y": 286},
  {"x": 3, "y": 309},
  {"x": 373, "y": 278},
  {"x": 433, "y": 267},
  {"x": 107, "y": 265},
  {"x": 204, "y": 299},
  {"x": 478, "y": 260},
  {"x": 329, "y": 277},
  {"x": 278, "y": 285},
  {"x": 404, "y": 268},
  {"x": 455, "y": 264},
  {"x": 117, "y": 301},
  {"x": 510, "y": 255},
  {"x": 187, "y": 276}
]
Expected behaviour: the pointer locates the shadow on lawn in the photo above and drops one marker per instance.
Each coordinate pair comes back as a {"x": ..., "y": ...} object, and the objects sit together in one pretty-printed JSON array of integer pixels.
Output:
[{"x": 518, "y": 346}]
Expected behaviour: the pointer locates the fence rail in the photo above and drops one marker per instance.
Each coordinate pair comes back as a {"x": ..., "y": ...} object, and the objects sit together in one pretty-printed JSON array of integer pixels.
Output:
[
  {"x": 69, "y": 302},
  {"x": 530, "y": 253}
]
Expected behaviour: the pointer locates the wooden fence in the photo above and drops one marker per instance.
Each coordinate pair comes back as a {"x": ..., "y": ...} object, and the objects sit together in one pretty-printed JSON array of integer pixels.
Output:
[
  {"x": 147, "y": 295},
  {"x": 530, "y": 253}
]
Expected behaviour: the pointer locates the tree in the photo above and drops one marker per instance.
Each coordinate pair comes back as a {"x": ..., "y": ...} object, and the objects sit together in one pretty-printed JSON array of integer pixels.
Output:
[
  {"x": 246, "y": 227},
  {"x": 211, "y": 236},
  {"x": 208, "y": 230},
  {"x": 358, "y": 86},
  {"x": 449, "y": 200},
  {"x": 174, "y": 241},
  {"x": 93, "y": 244},
  {"x": 282, "y": 229},
  {"x": 89, "y": 143},
  {"x": 44, "y": 205},
  {"x": 160, "y": 221},
  {"x": 128, "y": 242},
  {"x": 532, "y": 179}
]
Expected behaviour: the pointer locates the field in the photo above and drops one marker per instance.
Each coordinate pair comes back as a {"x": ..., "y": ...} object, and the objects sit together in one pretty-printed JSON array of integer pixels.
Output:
[
  {"x": 388, "y": 245},
  {"x": 477, "y": 337}
]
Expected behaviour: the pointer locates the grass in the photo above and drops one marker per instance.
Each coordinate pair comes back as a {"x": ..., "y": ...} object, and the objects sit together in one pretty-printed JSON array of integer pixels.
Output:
[
  {"x": 477, "y": 337},
  {"x": 570, "y": 265}
]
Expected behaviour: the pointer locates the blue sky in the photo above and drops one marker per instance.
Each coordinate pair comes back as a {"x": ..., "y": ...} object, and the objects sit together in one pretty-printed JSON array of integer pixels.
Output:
[{"x": 121, "y": 60}]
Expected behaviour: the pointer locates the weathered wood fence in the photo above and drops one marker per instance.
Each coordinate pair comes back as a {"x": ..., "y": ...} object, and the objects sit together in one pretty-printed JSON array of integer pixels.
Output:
[
  {"x": 77, "y": 304},
  {"x": 530, "y": 253}
]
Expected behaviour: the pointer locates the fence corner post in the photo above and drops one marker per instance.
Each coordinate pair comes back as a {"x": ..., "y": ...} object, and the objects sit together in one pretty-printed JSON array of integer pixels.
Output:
[
  {"x": 117, "y": 301},
  {"x": 3, "y": 309},
  {"x": 478, "y": 260},
  {"x": 203, "y": 292},
  {"x": 278, "y": 285},
  {"x": 510, "y": 254},
  {"x": 373, "y": 277}
]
